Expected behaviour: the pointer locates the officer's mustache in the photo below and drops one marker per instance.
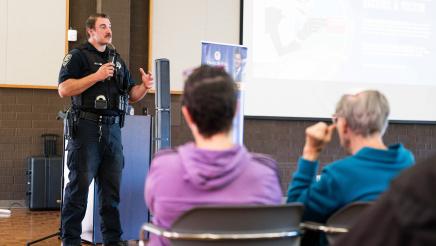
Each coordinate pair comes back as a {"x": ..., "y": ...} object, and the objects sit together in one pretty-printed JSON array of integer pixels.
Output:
[{"x": 108, "y": 36}]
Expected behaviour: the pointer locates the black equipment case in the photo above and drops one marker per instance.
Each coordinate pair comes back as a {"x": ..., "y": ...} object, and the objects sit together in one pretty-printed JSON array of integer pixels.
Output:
[{"x": 44, "y": 182}]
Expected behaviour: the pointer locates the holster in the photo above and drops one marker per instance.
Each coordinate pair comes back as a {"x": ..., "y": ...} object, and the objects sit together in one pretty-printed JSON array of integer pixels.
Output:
[{"x": 71, "y": 123}]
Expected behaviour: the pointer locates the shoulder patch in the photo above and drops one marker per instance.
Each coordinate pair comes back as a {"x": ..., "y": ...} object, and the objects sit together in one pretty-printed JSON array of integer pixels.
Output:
[{"x": 66, "y": 60}]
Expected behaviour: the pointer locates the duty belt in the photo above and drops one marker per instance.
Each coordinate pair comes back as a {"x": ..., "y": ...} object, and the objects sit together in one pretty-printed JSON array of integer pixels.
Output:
[{"x": 107, "y": 120}]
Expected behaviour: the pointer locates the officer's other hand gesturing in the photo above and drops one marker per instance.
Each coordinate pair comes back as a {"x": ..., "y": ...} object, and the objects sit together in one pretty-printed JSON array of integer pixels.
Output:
[
  {"x": 147, "y": 79},
  {"x": 106, "y": 70}
]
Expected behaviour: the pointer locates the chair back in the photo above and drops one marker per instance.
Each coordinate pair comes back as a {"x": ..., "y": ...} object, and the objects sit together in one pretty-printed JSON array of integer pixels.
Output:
[
  {"x": 274, "y": 225},
  {"x": 345, "y": 218}
]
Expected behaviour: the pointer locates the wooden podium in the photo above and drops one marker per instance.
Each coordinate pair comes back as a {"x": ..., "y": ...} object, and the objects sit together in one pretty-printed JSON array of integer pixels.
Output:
[{"x": 136, "y": 138}]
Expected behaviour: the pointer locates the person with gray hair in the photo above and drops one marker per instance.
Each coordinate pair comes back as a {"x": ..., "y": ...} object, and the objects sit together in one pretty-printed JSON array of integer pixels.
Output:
[
  {"x": 360, "y": 120},
  {"x": 366, "y": 112}
]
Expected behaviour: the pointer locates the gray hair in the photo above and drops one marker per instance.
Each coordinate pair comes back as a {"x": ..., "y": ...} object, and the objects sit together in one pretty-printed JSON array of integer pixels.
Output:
[{"x": 366, "y": 112}]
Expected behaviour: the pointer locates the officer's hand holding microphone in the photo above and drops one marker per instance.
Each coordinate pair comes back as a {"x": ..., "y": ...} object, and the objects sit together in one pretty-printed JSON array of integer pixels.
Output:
[{"x": 105, "y": 71}]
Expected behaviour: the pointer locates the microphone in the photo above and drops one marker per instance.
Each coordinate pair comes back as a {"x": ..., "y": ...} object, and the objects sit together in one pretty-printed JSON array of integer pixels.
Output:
[{"x": 111, "y": 57}]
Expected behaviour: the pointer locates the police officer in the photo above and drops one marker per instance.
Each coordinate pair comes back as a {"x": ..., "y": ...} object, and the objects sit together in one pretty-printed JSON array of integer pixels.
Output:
[{"x": 100, "y": 85}]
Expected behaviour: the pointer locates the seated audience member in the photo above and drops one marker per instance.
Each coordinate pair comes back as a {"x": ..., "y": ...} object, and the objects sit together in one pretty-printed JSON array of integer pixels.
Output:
[
  {"x": 211, "y": 170},
  {"x": 404, "y": 216},
  {"x": 360, "y": 121}
]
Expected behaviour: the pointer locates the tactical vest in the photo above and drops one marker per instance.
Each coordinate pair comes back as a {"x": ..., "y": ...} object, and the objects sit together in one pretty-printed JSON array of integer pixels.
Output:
[{"x": 112, "y": 88}]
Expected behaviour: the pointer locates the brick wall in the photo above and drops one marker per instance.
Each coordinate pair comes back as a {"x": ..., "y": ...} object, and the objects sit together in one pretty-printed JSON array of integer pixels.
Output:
[
  {"x": 139, "y": 35},
  {"x": 79, "y": 11},
  {"x": 25, "y": 114},
  {"x": 284, "y": 140}
]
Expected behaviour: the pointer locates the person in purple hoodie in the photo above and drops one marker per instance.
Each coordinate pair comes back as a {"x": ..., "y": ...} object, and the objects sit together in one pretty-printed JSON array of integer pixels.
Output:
[{"x": 212, "y": 170}]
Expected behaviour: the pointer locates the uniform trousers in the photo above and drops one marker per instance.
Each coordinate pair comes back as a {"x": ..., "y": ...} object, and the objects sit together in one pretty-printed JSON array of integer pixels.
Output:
[{"x": 93, "y": 153}]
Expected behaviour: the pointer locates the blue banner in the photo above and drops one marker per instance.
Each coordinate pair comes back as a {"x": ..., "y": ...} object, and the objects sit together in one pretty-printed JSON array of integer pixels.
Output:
[{"x": 233, "y": 59}]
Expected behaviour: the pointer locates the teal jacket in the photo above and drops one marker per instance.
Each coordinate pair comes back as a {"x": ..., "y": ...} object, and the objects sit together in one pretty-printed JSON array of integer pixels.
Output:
[{"x": 360, "y": 177}]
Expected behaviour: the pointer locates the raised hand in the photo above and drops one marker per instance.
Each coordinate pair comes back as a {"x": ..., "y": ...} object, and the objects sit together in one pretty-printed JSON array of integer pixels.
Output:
[
  {"x": 317, "y": 137},
  {"x": 146, "y": 78}
]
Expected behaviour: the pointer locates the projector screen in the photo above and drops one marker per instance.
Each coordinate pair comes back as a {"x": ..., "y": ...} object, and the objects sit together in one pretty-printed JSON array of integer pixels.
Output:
[{"x": 304, "y": 54}]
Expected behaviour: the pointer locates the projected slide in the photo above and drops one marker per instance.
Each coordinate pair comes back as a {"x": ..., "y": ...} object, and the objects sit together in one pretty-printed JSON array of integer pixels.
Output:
[{"x": 324, "y": 48}]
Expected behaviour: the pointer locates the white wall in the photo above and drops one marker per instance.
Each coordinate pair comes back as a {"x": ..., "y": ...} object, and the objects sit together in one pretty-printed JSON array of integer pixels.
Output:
[
  {"x": 32, "y": 41},
  {"x": 3, "y": 28},
  {"x": 178, "y": 27}
]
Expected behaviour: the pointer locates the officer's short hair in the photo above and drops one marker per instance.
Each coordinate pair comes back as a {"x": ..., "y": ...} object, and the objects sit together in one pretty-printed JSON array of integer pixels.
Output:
[
  {"x": 366, "y": 112},
  {"x": 90, "y": 22},
  {"x": 210, "y": 97}
]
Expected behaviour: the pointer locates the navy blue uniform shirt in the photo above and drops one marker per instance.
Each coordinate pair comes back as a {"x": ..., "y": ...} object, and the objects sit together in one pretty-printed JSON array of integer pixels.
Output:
[{"x": 76, "y": 65}]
